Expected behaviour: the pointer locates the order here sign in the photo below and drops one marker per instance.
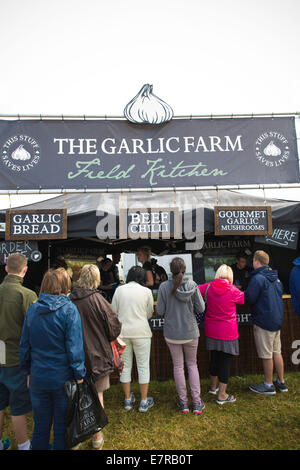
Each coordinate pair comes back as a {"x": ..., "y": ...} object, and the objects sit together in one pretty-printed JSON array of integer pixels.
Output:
[{"x": 36, "y": 224}]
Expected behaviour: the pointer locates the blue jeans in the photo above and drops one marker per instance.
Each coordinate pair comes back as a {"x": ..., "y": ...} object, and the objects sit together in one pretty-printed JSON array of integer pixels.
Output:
[{"x": 49, "y": 406}]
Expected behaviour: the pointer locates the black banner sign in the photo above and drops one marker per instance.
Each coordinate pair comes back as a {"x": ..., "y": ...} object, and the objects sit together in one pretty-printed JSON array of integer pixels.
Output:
[
  {"x": 27, "y": 248},
  {"x": 36, "y": 224},
  {"x": 282, "y": 236},
  {"x": 249, "y": 220},
  {"x": 100, "y": 154},
  {"x": 157, "y": 322}
]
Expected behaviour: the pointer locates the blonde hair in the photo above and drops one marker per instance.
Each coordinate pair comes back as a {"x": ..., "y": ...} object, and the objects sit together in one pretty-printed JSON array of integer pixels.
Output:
[
  {"x": 262, "y": 257},
  {"x": 224, "y": 272},
  {"x": 146, "y": 250},
  {"x": 89, "y": 277}
]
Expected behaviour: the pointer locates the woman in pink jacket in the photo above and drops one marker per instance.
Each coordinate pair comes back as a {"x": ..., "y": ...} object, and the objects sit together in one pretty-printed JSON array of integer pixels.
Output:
[{"x": 221, "y": 329}]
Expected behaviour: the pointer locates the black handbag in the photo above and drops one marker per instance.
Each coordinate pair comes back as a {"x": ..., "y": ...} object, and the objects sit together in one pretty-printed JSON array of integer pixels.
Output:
[
  {"x": 85, "y": 414},
  {"x": 200, "y": 316}
]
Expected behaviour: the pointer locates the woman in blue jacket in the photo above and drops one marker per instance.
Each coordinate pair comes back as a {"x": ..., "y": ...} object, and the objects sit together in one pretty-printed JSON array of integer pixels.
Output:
[{"x": 51, "y": 352}]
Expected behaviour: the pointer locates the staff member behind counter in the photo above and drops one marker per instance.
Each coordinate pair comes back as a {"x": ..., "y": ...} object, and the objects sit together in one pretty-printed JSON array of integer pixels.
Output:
[
  {"x": 155, "y": 274},
  {"x": 241, "y": 272},
  {"x": 144, "y": 257},
  {"x": 116, "y": 258},
  {"x": 107, "y": 285}
]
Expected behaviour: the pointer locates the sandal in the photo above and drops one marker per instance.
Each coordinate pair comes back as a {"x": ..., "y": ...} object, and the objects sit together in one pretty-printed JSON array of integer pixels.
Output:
[
  {"x": 229, "y": 399},
  {"x": 214, "y": 392}
]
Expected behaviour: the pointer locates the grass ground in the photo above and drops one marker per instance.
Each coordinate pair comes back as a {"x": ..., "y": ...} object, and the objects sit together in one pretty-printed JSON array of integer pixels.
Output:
[{"x": 253, "y": 422}]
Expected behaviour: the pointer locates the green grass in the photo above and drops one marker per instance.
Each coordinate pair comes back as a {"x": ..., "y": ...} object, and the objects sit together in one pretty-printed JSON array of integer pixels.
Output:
[{"x": 253, "y": 422}]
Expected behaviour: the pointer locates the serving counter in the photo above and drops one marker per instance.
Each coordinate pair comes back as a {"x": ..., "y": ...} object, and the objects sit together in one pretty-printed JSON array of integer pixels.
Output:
[{"x": 246, "y": 363}]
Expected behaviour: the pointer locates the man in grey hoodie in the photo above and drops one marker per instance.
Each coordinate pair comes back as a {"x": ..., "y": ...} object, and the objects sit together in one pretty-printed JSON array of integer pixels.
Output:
[{"x": 179, "y": 299}]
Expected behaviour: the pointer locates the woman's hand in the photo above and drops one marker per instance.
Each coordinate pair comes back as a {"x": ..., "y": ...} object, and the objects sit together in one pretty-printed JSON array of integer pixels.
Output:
[{"x": 80, "y": 381}]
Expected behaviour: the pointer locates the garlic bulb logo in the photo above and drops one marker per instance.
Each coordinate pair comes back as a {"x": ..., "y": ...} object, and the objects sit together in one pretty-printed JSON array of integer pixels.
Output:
[
  {"x": 272, "y": 150},
  {"x": 20, "y": 154},
  {"x": 147, "y": 108}
]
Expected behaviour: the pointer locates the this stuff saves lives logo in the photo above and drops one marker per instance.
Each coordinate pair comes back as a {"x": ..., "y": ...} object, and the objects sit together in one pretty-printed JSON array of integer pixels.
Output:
[
  {"x": 20, "y": 152},
  {"x": 272, "y": 149}
]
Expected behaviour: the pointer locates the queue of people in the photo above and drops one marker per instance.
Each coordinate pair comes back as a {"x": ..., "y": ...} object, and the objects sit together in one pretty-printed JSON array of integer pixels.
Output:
[{"x": 66, "y": 333}]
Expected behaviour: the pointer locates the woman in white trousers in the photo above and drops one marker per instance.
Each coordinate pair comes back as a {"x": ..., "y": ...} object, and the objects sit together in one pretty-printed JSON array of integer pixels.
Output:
[{"x": 133, "y": 303}]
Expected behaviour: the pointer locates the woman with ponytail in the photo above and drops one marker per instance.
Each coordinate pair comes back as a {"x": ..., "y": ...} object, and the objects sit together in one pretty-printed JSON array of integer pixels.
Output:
[{"x": 179, "y": 299}]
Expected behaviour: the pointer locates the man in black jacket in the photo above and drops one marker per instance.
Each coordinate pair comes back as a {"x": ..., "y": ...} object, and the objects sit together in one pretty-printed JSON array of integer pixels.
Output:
[
  {"x": 264, "y": 294},
  {"x": 241, "y": 272}
]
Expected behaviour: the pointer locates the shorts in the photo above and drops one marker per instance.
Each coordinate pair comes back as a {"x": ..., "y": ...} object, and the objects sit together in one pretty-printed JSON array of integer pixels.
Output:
[
  {"x": 267, "y": 342},
  {"x": 102, "y": 384},
  {"x": 14, "y": 391}
]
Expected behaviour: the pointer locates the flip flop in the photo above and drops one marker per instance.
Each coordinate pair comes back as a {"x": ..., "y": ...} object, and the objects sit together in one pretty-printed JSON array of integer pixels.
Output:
[
  {"x": 214, "y": 392},
  {"x": 230, "y": 399}
]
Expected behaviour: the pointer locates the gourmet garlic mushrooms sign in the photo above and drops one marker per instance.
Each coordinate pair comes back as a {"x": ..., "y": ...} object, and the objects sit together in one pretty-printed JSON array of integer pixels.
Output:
[{"x": 147, "y": 150}]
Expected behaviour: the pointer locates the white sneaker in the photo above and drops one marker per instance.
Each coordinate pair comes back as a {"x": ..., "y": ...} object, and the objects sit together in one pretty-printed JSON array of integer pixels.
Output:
[
  {"x": 145, "y": 405},
  {"x": 128, "y": 404}
]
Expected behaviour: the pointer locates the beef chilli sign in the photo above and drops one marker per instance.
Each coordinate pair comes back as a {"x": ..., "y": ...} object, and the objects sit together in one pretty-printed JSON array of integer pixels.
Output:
[
  {"x": 249, "y": 220},
  {"x": 36, "y": 224},
  {"x": 150, "y": 223}
]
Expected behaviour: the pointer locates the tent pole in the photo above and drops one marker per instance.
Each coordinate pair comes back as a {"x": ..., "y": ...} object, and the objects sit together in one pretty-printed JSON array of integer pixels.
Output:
[
  {"x": 49, "y": 254},
  {"x": 148, "y": 190},
  {"x": 84, "y": 117}
]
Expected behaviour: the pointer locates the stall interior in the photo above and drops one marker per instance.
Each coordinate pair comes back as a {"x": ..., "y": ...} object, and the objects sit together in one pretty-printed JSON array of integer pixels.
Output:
[{"x": 74, "y": 253}]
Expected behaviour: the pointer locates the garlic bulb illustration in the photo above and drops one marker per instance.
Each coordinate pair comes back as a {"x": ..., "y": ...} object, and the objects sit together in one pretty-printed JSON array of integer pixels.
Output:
[
  {"x": 20, "y": 154},
  {"x": 272, "y": 150},
  {"x": 146, "y": 107}
]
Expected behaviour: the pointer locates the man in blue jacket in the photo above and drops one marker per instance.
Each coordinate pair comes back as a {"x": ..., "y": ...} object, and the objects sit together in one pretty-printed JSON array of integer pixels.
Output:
[
  {"x": 295, "y": 285},
  {"x": 264, "y": 295}
]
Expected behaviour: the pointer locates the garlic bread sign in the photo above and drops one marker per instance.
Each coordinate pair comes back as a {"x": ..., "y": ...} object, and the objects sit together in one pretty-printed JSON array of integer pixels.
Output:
[{"x": 36, "y": 224}]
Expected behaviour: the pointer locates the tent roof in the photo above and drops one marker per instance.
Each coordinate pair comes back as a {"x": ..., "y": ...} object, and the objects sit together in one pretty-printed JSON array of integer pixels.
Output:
[
  {"x": 83, "y": 216},
  {"x": 89, "y": 202}
]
